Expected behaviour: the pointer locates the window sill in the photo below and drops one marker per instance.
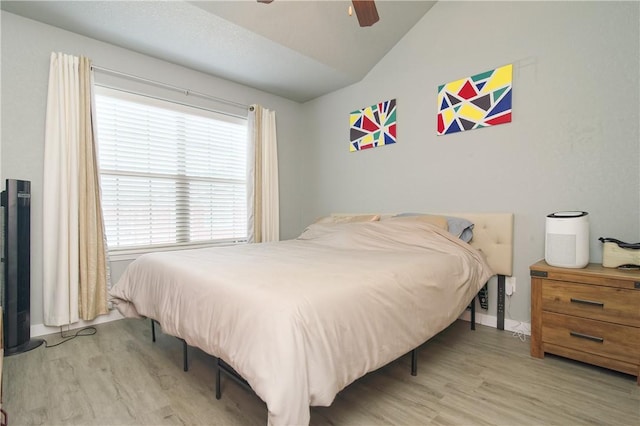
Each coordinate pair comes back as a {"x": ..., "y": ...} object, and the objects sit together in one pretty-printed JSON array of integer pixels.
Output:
[{"x": 132, "y": 254}]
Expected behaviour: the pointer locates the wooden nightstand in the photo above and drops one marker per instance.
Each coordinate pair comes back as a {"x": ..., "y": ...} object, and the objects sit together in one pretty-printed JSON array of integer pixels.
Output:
[{"x": 590, "y": 315}]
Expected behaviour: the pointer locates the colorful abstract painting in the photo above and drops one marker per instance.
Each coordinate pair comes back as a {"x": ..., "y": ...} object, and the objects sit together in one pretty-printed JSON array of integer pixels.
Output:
[
  {"x": 481, "y": 100},
  {"x": 373, "y": 126}
]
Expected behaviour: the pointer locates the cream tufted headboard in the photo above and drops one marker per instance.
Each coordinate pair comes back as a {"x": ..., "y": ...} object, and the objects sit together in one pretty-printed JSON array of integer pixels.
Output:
[{"x": 492, "y": 235}]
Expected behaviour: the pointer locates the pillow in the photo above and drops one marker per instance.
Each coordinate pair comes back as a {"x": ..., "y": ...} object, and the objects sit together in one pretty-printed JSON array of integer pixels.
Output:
[
  {"x": 349, "y": 218},
  {"x": 458, "y": 226},
  {"x": 439, "y": 221}
]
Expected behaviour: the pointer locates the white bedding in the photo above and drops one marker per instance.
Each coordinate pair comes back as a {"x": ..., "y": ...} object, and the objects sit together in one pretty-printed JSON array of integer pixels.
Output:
[{"x": 302, "y": 319}]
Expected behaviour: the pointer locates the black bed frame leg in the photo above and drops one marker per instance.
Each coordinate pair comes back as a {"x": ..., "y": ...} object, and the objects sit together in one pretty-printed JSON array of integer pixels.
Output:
[
  {"x": 500, "y": 306},
  {"x": 185, "y": 362},
  {"x": 185, "y": 354},
  {"x": 473, "y": 314},
  {"x": 414, "y": 362},
  {"x": 218, "y": 390}
]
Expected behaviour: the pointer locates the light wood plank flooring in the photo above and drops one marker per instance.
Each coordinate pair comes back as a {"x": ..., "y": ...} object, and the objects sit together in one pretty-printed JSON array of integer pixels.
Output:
[{"x": 482, "y": 377}]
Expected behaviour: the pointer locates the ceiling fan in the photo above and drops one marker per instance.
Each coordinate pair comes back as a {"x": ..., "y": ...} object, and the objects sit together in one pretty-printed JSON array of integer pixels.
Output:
[{"x": 365, "y": 11}]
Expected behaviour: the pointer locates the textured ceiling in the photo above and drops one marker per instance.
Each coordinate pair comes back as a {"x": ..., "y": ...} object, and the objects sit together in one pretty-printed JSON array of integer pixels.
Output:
[{"x": 296, "y": 49}]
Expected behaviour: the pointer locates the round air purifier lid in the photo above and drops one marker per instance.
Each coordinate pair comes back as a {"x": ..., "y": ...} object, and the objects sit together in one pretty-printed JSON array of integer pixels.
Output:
[{"x": 567, "y": 215}]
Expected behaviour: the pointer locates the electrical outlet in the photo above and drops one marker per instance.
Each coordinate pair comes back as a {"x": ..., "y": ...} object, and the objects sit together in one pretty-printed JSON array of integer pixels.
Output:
[{"x": 510, "y": 285}]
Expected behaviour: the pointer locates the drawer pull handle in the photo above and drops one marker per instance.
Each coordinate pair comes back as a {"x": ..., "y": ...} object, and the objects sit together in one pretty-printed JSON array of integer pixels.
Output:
[
  {"x": 587, "y": 302},
  {"x": 586, "y": 336}
]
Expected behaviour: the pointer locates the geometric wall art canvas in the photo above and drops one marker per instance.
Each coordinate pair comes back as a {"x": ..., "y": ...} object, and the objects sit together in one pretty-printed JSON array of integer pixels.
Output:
[
  {"x": 373, "y": 126},
  {"x": 481, "y": 100}
]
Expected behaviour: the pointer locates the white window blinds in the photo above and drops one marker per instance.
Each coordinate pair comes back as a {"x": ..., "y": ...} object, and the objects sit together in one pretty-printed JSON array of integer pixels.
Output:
[{"x": 171, "y": 174}]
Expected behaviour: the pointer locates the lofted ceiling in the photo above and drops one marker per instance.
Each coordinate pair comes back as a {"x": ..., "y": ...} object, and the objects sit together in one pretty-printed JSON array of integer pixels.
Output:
[{"x": 296, "y": 49}]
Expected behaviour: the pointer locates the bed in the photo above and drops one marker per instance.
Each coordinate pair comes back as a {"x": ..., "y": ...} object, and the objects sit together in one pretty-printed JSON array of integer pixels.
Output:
[{"x": 301, "y": 319}]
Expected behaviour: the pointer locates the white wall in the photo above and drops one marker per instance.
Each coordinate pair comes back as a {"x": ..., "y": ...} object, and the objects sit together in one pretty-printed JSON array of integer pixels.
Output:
[
  {"x": 573, "y": 143},
  {"x": 26, "y": 48}
]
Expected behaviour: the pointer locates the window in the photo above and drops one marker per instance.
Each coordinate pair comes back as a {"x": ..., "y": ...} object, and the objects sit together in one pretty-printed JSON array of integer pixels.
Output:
[{"x": 171, "y": 175}]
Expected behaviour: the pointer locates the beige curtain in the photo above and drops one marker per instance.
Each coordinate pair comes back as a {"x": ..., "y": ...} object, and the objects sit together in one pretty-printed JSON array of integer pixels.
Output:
[
  {"x": 263, "y": 196},
  {"x": 74, "y": 264},
  {"x": 92, "y": 240}
]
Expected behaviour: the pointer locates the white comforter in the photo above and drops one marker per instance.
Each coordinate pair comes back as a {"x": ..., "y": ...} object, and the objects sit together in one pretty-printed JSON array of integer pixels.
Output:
[{"x": 302, "y": 319}]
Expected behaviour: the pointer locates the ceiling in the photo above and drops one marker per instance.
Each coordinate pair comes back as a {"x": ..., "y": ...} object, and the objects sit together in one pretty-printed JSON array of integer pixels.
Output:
[{"x": 296, "y": 49}]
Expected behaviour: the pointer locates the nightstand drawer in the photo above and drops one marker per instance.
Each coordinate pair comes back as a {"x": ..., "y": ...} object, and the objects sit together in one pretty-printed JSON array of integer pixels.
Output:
[
  {"x": 609, "y": 304},
  {"x": 600, "y": 338}
]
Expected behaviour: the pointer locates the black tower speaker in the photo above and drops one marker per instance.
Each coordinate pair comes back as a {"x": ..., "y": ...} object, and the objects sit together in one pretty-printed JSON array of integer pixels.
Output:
[{"x": 16, "y": 200}]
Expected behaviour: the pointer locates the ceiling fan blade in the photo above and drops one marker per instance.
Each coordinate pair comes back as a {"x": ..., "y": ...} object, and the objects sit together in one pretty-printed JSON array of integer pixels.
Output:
[
  {"x": 366, "y": 12},
  {"x": 265, "y": 1}
]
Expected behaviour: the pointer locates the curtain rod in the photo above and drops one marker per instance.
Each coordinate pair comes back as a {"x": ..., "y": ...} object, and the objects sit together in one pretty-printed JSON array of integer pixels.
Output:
[{"x": 187, "y": 92}]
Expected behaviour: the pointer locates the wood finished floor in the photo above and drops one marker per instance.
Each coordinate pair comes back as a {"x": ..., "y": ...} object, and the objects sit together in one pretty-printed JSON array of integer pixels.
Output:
[{"x": 483, "y": 377}]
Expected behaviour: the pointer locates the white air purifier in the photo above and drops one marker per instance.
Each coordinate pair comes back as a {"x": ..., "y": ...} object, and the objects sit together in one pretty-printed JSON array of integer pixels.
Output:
[{"x": 567, "y": 239}]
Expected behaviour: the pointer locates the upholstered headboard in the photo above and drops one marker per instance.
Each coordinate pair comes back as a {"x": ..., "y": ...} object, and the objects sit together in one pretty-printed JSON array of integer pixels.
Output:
[{"x": 492, "y": 235}]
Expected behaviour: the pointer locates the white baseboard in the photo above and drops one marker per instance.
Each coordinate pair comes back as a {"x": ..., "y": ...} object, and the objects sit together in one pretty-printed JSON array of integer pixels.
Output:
[
  {"x": 491, "y": 321},
  {"x": 43, "y": 330},
  {"x": 482, "y": 319}
]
